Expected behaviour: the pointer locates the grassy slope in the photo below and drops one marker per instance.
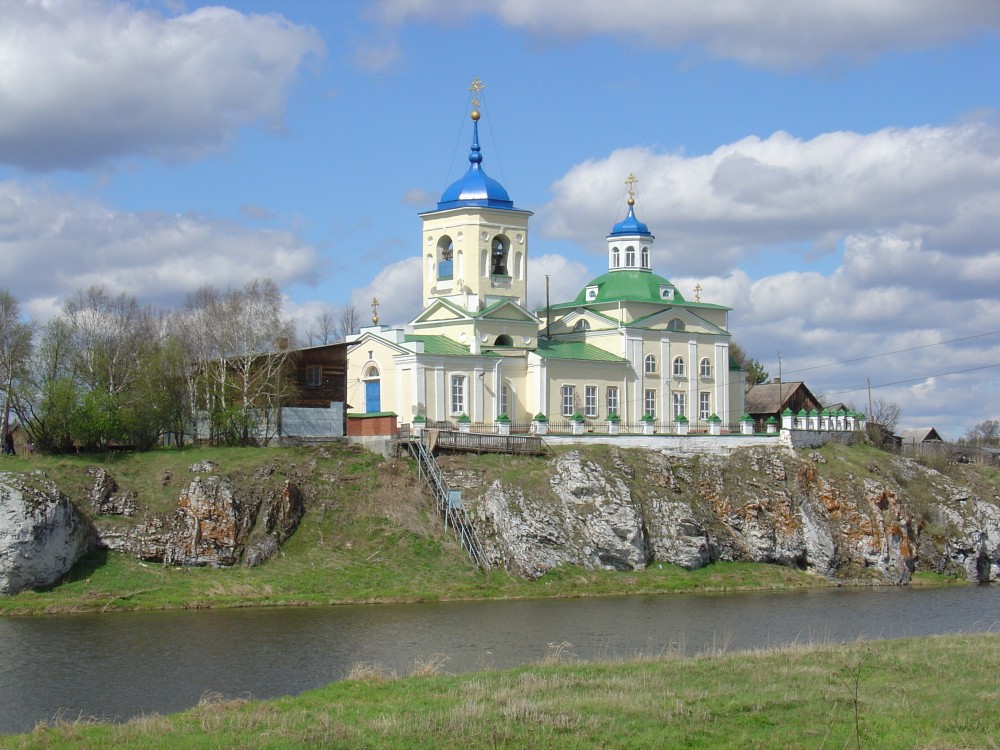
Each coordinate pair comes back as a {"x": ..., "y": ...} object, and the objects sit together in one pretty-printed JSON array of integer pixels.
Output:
[
  {"x": 369, "y": 535},
  {"x": 918, "y": 693}
]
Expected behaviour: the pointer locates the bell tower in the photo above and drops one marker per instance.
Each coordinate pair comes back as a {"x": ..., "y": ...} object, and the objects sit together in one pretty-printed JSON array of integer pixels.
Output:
[{"x": 475, "y": 244}]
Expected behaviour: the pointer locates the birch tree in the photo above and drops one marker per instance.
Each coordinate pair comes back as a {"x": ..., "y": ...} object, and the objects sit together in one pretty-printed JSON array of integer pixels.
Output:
[
  {"x": 247, "y": 342},
  {"x": 15, "y": 350}
]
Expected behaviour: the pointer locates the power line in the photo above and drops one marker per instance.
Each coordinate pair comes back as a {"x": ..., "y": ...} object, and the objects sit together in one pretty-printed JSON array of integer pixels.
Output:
[
  {"x": 898, "y": 351},
  {"x": 916, "y": 380}
]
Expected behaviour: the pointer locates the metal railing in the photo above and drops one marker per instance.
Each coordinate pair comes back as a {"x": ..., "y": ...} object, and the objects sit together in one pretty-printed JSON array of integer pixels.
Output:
[
  {"x": 454, "y": 515},
  {"x": 600, "y": 427},
  {"x": 480, "y": 442}
]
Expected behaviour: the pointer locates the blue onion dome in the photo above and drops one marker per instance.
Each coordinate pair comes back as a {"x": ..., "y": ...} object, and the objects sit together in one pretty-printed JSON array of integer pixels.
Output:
[
  {"x": 630, "y": 224},
  {"x": 475, "y": 188}
]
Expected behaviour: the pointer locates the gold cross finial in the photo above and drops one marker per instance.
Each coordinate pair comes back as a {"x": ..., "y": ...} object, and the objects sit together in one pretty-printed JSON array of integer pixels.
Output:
[
  {"x": 374, "y": 311},
  {"x": 475, "y": 88},
  {"x": 630, "y": 183},
  {"x": 697, "y": 292}
]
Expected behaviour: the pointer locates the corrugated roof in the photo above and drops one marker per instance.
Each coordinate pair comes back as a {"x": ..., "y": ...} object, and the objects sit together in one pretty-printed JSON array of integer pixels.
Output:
[{"x": 574, "y": 350}]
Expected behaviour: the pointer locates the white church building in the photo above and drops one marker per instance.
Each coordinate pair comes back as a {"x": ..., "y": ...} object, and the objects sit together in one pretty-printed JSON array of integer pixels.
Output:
[{"x": 628, "y": 347}]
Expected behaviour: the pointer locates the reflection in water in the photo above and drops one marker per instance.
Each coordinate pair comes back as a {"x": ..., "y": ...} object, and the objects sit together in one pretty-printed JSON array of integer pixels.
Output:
[{"x": 114, "y": 666}]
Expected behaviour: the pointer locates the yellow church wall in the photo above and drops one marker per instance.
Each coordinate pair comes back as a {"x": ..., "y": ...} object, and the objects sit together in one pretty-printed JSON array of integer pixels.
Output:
[
  {"x": 471, "y": 234},
  {"x": 369, "y": 353}
]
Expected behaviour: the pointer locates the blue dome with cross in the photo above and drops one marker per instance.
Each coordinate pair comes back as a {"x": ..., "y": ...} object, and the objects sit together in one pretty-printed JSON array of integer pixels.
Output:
[{"x": 475, "y": 188}]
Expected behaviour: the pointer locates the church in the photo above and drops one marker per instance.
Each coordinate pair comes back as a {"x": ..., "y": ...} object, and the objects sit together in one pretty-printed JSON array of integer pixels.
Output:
[{"x": 628, "y": 347}]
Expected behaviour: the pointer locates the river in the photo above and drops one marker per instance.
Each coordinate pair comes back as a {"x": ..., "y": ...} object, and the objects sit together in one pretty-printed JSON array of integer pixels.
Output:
[{"x": 115, "y": 666}]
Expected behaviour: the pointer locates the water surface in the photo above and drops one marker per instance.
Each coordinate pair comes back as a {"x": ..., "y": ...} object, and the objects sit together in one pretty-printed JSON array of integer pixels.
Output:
[{"x": 115, "y": 666}]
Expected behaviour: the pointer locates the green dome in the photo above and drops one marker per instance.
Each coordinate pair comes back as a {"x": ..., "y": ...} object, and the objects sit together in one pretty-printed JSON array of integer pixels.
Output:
[{"x": 633, "y": 286}]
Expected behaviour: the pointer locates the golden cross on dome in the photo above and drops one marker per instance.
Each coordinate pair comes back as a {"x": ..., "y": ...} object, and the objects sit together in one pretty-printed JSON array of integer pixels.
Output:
[
  {"x": 475, "y": 88},
  {"x": 697, "y": 292},
  {"x": 630, "y": 183},
  {"x": 374, "y": 311}
]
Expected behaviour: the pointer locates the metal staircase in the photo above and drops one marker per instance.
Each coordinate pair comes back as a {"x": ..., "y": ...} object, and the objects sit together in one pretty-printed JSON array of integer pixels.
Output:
[{"x": 448, "y": 502}]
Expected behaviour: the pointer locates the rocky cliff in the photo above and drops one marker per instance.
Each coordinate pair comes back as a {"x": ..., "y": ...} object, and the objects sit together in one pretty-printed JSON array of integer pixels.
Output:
[
  {"x": 217, "y": 521},
  {"x": 42, "y": 534},
  {"x": 842, "y": 513}
]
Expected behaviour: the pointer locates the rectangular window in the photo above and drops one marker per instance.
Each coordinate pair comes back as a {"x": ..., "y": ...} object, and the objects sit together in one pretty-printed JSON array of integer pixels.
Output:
[
  {"x": 680, "y": 404},
  {"x": 613, "y": 400},
  {"x": 649, "y": 402},
  {"x": 590, "y": 402},
  {"x": 704, "y": 405},
  {"x": 505, "y": 399},
  {"x": 568, "y": 397},
  {"x": 314, "y": 375},
  {"x": 458, "y": 394}
]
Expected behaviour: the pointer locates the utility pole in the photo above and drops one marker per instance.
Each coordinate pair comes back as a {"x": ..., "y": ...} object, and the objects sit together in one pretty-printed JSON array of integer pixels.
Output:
[
  {"x": 869, "y": 398},
  {"x": 781, "y": 384},
  {"x": 548, "y": 315}
]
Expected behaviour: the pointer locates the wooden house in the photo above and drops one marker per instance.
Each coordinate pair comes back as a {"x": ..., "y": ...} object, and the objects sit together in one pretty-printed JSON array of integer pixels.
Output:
[{"x": 771, "y": 399}]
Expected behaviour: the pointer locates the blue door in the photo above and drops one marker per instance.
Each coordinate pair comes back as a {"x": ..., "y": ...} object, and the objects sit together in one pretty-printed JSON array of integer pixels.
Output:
[{"x": 373, "y": 396}]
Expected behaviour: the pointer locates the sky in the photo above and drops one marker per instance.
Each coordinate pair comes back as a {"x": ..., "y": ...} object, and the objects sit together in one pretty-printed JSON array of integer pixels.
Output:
[{"x": 830, "y": 171}]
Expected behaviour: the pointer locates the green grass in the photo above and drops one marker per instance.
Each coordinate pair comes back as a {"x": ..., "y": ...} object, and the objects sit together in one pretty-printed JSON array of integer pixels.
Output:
[
  {"x": 369, "y": 535},
  {"x": 938, "y": 692}
]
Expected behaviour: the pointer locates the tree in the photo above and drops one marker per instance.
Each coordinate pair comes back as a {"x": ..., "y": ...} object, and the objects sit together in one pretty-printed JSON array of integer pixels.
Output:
[
  {"x": 984, "y": 433},
  {"x": 48, "y": 396},
  {"x": 15, "y": 350},
  {"x": 323, "y": 329},
  {"x": 237, "y": 344},
  {"x": 348, "y": 321},
  {"x": 886, "y": 413},
  {"x": 111, "y": 337},
  {"x": 756, "y": 374}
]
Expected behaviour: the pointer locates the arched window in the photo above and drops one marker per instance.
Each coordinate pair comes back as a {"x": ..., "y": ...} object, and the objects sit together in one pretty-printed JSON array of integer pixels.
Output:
[
  {"x": 650, "y": 364},
  {"x": 446, "y": 255},
  {"x": 706, "y": 368},
  {"x": 678, "y": 367},
  {"x": 676, "y": 324},
  {"x": 615, "y": 258},
  {"x": 504, "y": 340},
  {"x": 372, "y": 372},
  {"x": 645, "y": 257},
  {"x": 581, "y": 325},
  {"x": 629, "y": 257},
  {"x": 498, "y": 255}
]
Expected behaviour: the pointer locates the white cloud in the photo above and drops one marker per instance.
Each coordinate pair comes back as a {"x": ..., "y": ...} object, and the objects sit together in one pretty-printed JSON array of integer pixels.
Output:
[
  {"x": 566, "y": 279},
  {"x": 57, "y": 243},
  {"x": 82, "y": 81},
  {"x": 781, "y": 34},
  {"x": 398, "y": 290},
  {"x": 934, "y": 185}
]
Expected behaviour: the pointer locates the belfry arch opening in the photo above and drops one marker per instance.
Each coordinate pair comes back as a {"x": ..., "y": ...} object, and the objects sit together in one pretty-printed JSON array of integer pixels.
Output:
[
  {"x": 445, "y": 258},
  {"x": 499, "y": 250}
]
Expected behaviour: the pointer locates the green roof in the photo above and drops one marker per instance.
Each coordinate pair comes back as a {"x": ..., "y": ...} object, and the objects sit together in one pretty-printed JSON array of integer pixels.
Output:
[
  {"x": 574, "y": 350},
  {"x": 441, "y": 345},
  {"x": 639, "y": 286},
  {"x": 631, "y": 286}
]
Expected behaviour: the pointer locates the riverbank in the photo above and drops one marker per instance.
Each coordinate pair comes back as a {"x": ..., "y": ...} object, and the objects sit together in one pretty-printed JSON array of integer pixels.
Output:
[
  {"x": 936, "y": 692},
  {"x": 369, "y": 535}
]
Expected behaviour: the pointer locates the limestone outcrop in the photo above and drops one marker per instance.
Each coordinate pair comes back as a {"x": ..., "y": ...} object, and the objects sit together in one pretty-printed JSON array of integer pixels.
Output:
[
  {"x": 42, "y": 534},
  {"x": 623, "y": 509},
  {"x": 215, "y": 523}
]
